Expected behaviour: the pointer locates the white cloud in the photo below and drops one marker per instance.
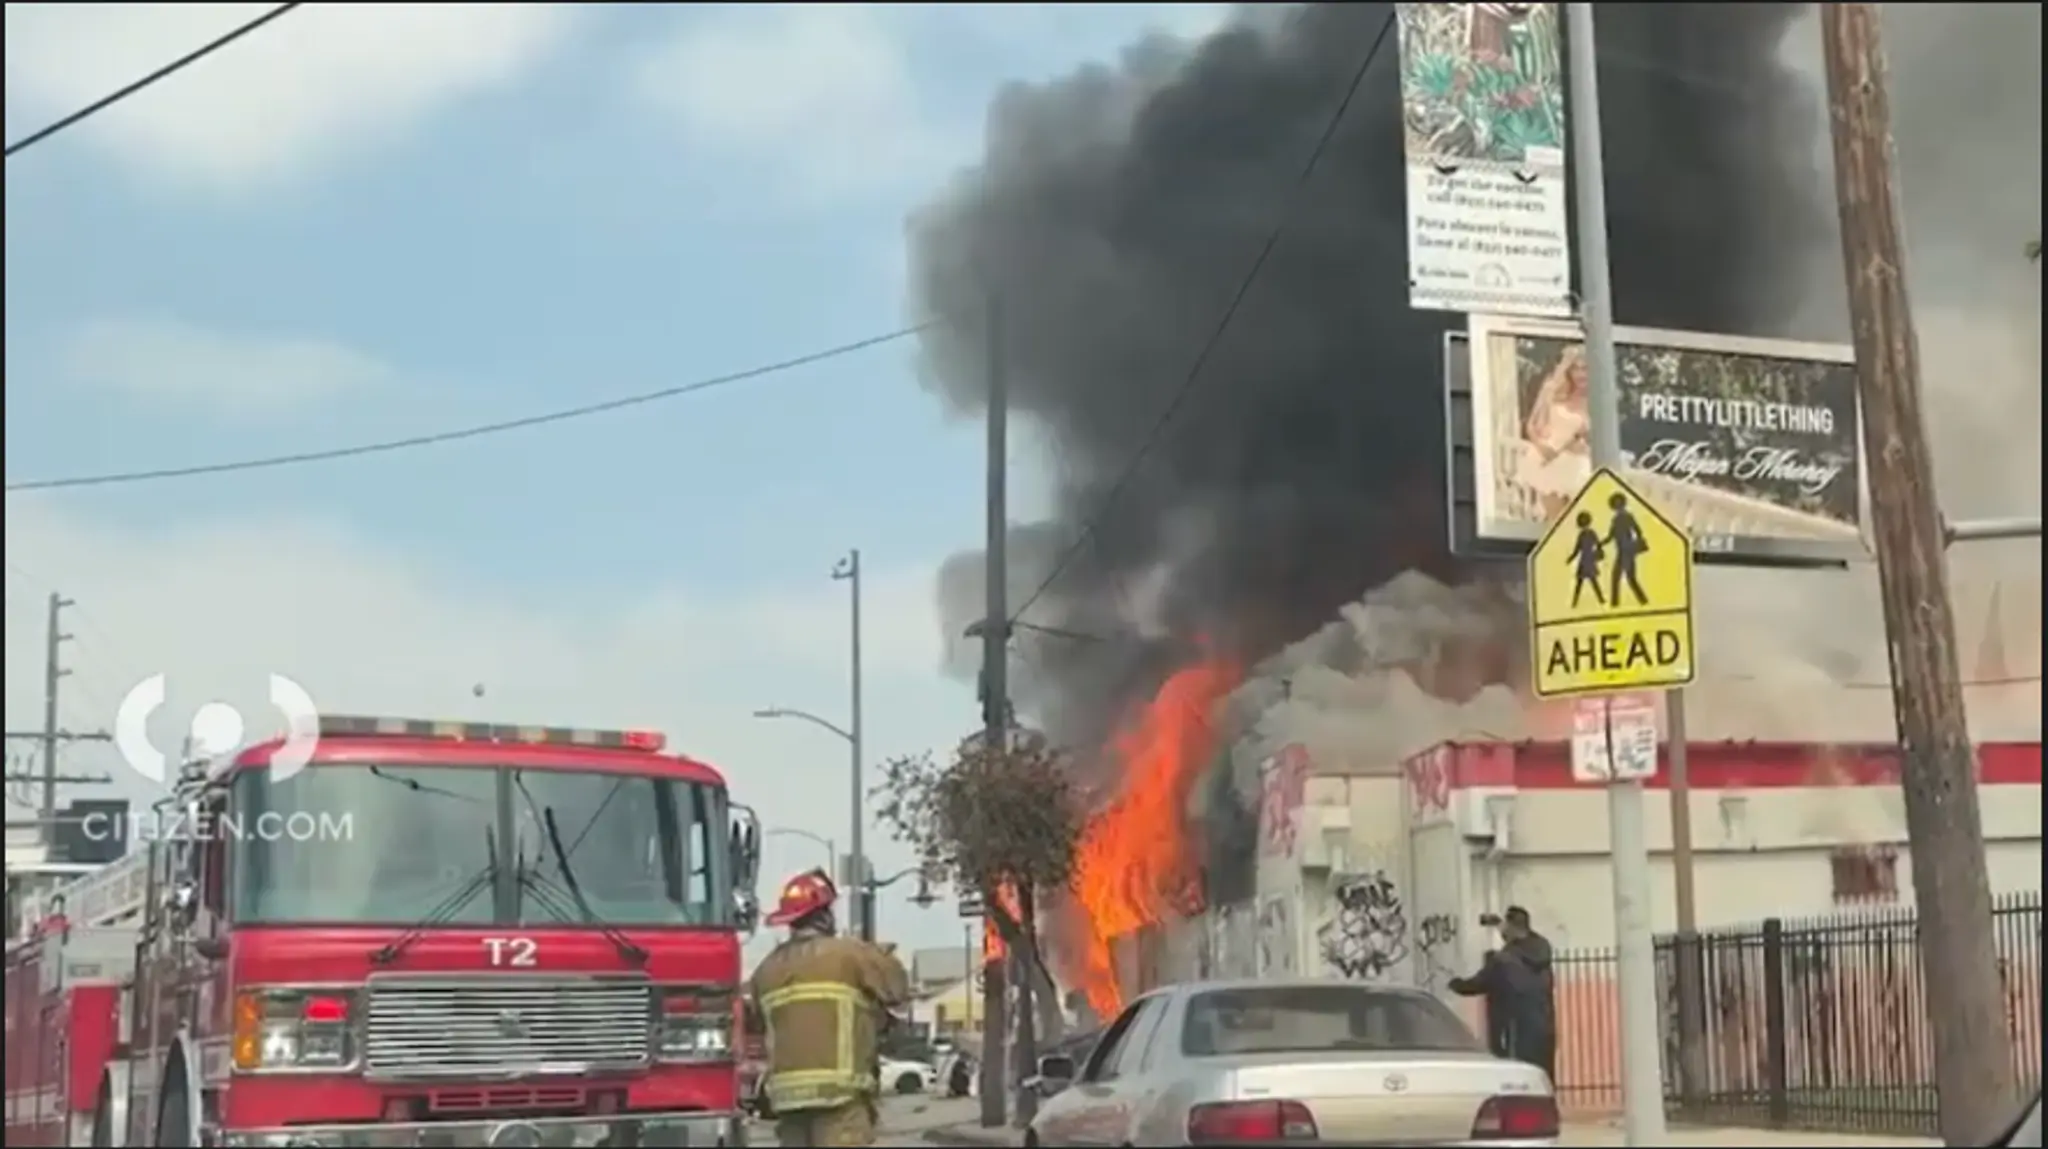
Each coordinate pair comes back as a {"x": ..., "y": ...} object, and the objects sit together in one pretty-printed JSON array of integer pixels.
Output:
[
  {"x": 218, "y": 606},
  {"x": 841, "y": 100},
  {"x": 325, "y": 80},
  {"x": 824, "y": 93},
  {"x": 162, "y": 359}
]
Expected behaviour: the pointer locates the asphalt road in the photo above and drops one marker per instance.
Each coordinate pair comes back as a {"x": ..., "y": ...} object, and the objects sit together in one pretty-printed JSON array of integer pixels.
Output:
[
  {"x": 908, "y": 1120},
  {"x": 905, "y": 1120}
]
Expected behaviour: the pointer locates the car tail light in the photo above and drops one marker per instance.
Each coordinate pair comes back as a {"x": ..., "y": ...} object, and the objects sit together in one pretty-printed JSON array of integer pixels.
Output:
[
  {"x": 1517, "y": 1118},
  {"x": 695, "y": 1025},
  {"x": 1250, "y": 1123}
]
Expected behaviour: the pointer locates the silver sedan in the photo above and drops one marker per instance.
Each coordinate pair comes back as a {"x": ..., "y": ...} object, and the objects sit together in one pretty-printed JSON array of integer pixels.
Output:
[{"x": 1263, "y": 1062}]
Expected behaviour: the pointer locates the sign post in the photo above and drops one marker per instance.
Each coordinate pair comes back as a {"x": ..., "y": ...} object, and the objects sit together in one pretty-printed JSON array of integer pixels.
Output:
[
  {"x": 1614, "y": 664},
  {"x": 1610, "y": 624}
]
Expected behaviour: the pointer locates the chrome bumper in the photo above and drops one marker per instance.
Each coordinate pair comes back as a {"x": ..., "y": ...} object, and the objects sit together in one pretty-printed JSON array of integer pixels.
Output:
[{"x": 638, "y": 1129}]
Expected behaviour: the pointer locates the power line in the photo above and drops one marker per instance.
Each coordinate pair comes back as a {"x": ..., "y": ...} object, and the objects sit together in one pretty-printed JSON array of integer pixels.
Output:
[
  {"x": 164, "y": 73},
  {"x": 1251, "y": 277},
  {"x": 473, "y": 432}
]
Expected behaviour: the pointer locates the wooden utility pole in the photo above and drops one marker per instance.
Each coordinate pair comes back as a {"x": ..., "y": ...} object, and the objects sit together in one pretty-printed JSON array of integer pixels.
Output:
[
  {"x": 1939, "y": 769},
  {"x": 995, "y": 701}
]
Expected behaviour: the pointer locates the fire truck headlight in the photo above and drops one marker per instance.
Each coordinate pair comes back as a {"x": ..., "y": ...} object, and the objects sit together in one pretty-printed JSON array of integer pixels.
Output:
[
  {"x": 694, "y": 1026},
  {"x": 281, "y": 1028}
]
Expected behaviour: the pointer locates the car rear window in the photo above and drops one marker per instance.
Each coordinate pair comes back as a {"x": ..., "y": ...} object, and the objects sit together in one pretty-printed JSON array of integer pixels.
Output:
[{"x": 1319, "y": 1018}]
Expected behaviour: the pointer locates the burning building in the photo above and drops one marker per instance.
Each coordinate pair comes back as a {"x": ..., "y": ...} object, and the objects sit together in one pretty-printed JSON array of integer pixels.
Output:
[{"x": 1298, "y": 488}]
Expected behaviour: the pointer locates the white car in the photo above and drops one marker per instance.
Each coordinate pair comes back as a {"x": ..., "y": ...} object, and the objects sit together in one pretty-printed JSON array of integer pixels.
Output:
[
  {"x": 1260, "y": 1062},
  {"x": 908, "y": 1076}
]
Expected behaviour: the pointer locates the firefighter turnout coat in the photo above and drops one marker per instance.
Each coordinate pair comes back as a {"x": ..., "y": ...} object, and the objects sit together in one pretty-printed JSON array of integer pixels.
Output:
[{"x": 825, "y": 1000}]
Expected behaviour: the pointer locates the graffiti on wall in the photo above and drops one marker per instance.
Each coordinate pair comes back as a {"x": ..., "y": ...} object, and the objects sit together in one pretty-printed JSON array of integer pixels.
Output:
[
  {"x": 1429, "y": 783},
  {"x": 1276, "y": 937},
  {"x": 1436, "y": 949},
  {"x": 1283, "y": 785},
  {"x": 1367, "y": 936},
  {"x": 1231, "y": 950}
]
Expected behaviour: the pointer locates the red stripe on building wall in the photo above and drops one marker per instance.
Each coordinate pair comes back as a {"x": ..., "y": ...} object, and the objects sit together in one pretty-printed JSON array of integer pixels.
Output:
[{"x": 1714, "y": 765}]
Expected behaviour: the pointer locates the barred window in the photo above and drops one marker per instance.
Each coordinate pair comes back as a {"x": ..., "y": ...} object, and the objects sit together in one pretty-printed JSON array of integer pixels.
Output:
[{"x": 1864, "y": 874}]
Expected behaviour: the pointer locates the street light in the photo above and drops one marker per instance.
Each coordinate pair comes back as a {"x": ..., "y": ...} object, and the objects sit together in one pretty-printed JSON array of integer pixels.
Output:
[
  {"x": 831, "y": 849},
  {"x": 862, "y": 917},
  {"x": 805, "y": 716}
]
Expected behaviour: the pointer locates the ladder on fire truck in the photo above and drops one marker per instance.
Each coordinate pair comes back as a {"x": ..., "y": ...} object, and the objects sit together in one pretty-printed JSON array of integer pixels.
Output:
[{"x": 116, "y": 894}]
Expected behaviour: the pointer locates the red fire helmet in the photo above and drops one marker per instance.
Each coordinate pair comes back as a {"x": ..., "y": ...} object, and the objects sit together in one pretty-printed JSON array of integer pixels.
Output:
[{"x": 802, "y": 896}]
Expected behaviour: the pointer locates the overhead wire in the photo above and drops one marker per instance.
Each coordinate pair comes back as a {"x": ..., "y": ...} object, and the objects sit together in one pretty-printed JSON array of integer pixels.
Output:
[
  {"x": 476, "y": 431},
  {"x": 1194, "y": 374},
  {"x": 161, "y": 74}
]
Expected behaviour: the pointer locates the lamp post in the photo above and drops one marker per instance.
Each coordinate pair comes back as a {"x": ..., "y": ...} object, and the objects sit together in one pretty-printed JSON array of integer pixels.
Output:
[
  {"x": 847, "y": 570},
  {"x": 862, "y": 916}
]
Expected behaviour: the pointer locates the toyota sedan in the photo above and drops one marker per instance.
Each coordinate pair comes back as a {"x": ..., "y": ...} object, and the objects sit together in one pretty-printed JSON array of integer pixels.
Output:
[{"x": 1265, "y": 1062}]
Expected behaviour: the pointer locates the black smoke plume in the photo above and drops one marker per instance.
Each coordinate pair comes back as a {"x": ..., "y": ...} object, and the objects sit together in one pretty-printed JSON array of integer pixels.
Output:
[{"x": 1117, "y": 210}]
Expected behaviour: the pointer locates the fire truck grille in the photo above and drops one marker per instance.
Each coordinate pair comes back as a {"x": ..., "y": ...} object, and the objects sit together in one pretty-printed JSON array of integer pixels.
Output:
[{"x": 444, "y": 1028}]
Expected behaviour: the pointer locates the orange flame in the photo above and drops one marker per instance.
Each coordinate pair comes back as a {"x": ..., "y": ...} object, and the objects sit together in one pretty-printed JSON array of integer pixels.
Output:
[{"x": 1136, "y": 857}]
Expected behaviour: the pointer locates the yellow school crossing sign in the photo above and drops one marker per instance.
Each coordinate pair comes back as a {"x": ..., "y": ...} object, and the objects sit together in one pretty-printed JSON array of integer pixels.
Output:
[{"x": 1610, "y": 596}]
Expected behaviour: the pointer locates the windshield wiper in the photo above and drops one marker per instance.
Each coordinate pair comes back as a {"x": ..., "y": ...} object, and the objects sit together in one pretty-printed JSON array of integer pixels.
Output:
[
  {"x": 450, "y": 906},
  {"x": 419, "y": 787},
  {"x": 544, "y": 894},
  {"x": 537, "y": 884}
]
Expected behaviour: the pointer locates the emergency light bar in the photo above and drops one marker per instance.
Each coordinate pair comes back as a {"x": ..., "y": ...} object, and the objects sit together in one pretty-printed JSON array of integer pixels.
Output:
[{"x": 358, "y": 726}]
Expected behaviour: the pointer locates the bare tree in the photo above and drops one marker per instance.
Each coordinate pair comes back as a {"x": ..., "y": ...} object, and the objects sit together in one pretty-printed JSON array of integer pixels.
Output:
[{"x": 1000, "y": 821}]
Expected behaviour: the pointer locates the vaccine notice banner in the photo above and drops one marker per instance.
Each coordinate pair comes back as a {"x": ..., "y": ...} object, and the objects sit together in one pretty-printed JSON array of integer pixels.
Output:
[{"x": 1482, "y": 104}]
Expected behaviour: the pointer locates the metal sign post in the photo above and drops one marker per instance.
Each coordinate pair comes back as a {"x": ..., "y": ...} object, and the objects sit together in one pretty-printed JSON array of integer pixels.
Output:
[{"x": 1642, "y": 1084}]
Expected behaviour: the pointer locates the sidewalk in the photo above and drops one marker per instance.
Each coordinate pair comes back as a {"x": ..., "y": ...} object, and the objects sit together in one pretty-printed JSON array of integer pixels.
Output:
[
  {"x": 1578, "y": 1133},
  {"x": 1609, "y": 1133}
]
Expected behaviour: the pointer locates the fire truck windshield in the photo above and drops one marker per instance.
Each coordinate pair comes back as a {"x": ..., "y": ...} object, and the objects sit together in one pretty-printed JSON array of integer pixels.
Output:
[{"x": 387, "y": 845}]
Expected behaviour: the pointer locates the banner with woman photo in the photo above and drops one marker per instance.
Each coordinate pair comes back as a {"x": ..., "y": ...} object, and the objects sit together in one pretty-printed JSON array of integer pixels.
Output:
[{"x": 1753, "y": 445}]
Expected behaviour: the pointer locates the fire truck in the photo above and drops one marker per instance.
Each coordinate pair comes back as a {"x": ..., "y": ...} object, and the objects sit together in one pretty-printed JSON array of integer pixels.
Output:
[{"x": 428, "y": 934}]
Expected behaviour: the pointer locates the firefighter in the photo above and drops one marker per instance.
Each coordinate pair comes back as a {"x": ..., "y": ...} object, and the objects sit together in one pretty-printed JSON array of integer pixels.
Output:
[{"x": 825, "y": 1000}]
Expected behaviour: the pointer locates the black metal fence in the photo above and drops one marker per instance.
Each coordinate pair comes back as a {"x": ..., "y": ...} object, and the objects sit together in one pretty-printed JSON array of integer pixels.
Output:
[{"x": 1816, "y": 1023}]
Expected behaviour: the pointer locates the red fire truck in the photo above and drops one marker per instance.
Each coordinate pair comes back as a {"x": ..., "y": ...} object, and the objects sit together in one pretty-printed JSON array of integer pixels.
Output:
[{"x": 446, "y": 934}]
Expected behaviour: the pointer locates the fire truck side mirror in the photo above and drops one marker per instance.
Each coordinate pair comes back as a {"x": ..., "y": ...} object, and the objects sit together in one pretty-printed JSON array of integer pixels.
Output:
[
  {"x": 746, "y": 851},
  {"x": 745, "y": 846}
]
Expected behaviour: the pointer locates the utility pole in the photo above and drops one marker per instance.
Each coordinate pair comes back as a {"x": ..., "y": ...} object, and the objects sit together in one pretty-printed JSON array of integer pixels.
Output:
[
  {"x": 995, "y": 694},
  {"x": 848, "y": 571},
  {"x": 1642, "y": 1086},
  {"x": 1939, "y": 770},
  {"x": 53, "y": 673}
]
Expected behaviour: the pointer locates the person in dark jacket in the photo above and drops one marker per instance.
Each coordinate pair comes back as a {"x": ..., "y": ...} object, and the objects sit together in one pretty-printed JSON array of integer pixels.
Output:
[{"x": 1519, "y": 988}]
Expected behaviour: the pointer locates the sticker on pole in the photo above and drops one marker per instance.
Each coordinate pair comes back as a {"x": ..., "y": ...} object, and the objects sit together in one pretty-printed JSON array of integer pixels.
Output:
[
  {"x": 1614, "y": 738},
  {"x": 1610, "y": 596}
]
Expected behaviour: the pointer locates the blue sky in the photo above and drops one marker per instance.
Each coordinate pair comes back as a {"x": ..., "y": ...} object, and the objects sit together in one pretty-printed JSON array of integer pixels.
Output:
[{"x": 373, "y": 221}]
